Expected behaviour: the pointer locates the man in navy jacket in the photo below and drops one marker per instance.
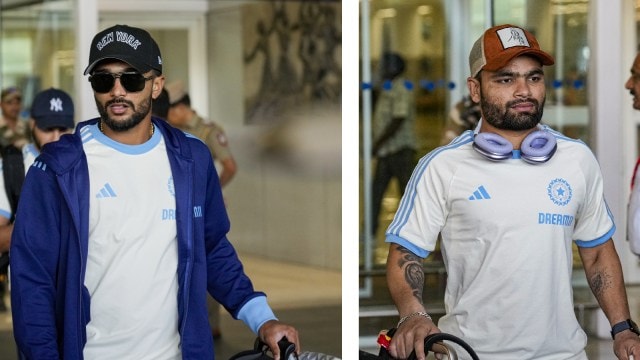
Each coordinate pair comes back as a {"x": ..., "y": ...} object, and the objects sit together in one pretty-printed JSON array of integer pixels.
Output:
[{"x": 121, "y": 230}]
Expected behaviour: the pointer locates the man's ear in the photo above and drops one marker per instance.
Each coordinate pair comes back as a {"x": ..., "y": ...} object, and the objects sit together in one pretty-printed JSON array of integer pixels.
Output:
[
  {"x": 158, "y": 84},
  {"x": 473, "y": 85}
]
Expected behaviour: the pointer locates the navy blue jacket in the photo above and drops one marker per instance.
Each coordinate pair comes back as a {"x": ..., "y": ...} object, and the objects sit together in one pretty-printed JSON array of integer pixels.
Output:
[{"x": 51, "y": 305}]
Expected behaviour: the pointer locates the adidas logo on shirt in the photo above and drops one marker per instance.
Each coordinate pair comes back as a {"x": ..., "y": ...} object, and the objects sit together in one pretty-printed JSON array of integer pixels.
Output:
[
  {"x": 480, "y": 194},
  {"x": 106, "y": 192}
]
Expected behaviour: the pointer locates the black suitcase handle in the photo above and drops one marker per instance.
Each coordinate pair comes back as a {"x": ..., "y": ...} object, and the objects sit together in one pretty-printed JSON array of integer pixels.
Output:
[
  {"x": 287, "y": 349},
  {"x": 261, "y": 351}
]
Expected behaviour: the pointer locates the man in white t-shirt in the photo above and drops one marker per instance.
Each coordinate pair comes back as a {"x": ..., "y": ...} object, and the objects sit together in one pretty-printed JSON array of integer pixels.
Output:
[{"x": 508, "y": 200}]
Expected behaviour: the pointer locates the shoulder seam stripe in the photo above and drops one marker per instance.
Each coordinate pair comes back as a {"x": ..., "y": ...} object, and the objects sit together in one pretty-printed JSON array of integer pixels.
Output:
[{"x": 408, "y": 200}]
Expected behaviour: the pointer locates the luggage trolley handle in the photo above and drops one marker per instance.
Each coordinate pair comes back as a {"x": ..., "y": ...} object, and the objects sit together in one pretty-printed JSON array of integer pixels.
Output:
[
  {"x": 437, "y": 338},
  {"x": 432, "y": 339},
  {"x": 287, "y": 349},
  {"x": 449, "y": 351}
]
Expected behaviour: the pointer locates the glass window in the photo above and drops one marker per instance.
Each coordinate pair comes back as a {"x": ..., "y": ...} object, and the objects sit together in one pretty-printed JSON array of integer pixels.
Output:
[
  {"x": 564, "y": 35},
  {"x": 37, "y": 47},
  {"x": 415, "y": 32},
  {"x": 411, "y": 80}
]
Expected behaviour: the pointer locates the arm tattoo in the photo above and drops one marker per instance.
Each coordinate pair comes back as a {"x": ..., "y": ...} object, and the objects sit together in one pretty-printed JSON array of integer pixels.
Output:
[
  {"x": 413, "y": 272},
  {"x": 600, "y": 282}
]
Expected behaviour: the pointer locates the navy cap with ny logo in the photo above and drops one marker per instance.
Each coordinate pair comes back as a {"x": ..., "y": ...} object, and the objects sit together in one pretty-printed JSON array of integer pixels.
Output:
[{"x": 53, "y": 108}]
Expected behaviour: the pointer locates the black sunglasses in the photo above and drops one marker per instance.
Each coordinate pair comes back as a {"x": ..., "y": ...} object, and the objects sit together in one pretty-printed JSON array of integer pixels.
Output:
[{"x": 131, "y": 81}]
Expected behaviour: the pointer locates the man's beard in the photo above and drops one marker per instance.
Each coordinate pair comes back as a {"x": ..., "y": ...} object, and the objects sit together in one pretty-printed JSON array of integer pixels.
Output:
[
  {"x": 127, "y": 124},
  {"x": 508, "y": 120}
]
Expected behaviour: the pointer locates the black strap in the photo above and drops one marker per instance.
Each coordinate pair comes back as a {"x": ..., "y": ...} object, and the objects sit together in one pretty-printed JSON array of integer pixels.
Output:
[
  {"x": 13, "y": 174},
  {"x": 4, "y": 264},
  {"x": 250, "y": 355},
  {"x": 368, "y": 356}
]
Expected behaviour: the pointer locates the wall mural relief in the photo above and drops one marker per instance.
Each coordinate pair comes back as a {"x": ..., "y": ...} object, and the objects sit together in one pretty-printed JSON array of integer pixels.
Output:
[{"x": 294, "y": 49}]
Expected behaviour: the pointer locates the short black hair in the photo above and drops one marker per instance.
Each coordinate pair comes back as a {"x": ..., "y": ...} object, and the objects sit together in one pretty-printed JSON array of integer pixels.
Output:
[
  {"x": 160, "y": 105},
  {"x": 393, "y": 63}
]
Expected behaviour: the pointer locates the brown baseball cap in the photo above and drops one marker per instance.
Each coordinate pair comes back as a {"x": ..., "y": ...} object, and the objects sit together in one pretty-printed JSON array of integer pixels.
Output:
[{"x": 500, "y": 44}]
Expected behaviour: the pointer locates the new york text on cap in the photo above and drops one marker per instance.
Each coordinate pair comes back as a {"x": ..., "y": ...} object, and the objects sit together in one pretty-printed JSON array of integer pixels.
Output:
[{"x": 132, "y": 45}]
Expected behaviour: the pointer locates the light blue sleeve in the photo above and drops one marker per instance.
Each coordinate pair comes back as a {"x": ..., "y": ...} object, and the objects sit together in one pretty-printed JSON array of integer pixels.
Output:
[
  {"x": 256, "y": 312},
  {"x": 407, "y": 245}
]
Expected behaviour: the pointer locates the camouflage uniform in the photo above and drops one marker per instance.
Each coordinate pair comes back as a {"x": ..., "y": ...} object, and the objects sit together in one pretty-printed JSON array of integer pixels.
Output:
[
  {"x": 211, "y": 134},
  {"x": 18, "y": 137}
]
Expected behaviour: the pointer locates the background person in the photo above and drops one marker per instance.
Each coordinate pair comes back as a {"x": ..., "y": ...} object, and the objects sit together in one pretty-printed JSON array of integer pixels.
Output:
[
  {"x": 51, "y": 116},
  {"x": 184, "y": 117},
  {"x": 464, "y": 115},
  {"x": 633, "y": 210},
  {"x": 160, "y": 105},
  {"x": 393, "y": 125},
  {"x": 509, "y": 201},
  {"x": 12, "y": 138},
  {"x": 120, "y": 267},
  {"x": 13, "y": 129}
]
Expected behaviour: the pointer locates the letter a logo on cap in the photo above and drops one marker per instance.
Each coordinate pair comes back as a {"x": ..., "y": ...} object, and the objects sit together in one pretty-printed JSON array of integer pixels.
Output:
[{"x": 511, "y": 37}]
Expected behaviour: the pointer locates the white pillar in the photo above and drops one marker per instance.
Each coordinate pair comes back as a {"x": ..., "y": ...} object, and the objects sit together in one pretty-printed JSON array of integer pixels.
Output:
[
  {"x": 86, "y": 17},
  {"x": 198, "y": 66},
  {"x": 607, "y": 74}
]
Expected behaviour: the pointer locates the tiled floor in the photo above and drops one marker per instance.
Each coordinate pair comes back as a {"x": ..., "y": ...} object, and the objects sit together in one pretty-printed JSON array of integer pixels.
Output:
[{"x": 308, "y": 298}]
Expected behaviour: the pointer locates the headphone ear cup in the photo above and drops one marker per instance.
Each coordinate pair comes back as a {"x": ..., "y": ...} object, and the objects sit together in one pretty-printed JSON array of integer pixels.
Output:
[
  {"x": 538, "y": 147},
  {"x": 492, "y": 146}
]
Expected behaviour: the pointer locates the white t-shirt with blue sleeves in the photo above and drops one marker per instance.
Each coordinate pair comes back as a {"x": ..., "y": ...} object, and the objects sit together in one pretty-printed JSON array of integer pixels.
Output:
[
  {"x": 132, "y": 262},
  {"x": 507, "y": 232}
]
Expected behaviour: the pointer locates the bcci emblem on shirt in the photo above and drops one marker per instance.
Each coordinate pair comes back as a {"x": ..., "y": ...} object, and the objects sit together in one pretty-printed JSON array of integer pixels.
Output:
[{"x": 559, "y": 192}]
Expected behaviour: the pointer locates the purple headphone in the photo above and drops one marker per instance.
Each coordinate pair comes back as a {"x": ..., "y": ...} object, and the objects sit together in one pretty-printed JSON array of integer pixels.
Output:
[{"x": 538, "y": 147}]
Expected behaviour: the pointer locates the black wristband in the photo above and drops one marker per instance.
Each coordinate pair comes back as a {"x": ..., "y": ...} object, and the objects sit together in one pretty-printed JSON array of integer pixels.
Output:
[{"x": 624, "y": 325}]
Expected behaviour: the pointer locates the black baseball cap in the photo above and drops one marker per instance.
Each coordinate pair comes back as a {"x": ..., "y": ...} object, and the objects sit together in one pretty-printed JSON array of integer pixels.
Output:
[
  {"x": 52, "y": 108},
  {"x": 132, "y": 45}
]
